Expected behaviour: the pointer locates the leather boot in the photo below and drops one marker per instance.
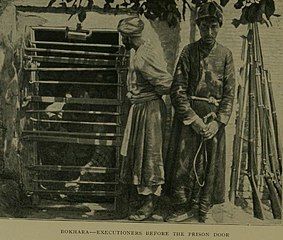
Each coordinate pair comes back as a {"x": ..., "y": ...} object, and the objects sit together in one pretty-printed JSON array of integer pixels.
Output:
[
  {"x": 146, "y": 210},
  {"x": 207, "y": 190}
]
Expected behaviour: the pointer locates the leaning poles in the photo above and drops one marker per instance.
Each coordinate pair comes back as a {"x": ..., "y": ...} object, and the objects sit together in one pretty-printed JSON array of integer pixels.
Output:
[
  {"x": 265, "y": 130},
  {"x": 252, "y": 156},
  {"x": 240, "y": 124},
  {"x": 263, "y": 142}
]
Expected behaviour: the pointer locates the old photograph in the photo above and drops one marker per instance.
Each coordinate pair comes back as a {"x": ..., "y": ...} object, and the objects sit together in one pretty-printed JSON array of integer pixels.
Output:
[{"x": 141, "y": 111}]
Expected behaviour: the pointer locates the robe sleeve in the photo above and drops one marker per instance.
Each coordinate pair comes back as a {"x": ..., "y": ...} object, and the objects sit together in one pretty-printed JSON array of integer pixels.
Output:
[
  {"x": 153, "y": 68},
  {"x": 178, "y": 93},
  {"x": 225, "y": 107}
]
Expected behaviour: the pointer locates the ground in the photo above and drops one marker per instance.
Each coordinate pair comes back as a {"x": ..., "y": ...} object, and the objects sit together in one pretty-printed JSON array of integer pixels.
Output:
[{"x": 226, "y": 213}]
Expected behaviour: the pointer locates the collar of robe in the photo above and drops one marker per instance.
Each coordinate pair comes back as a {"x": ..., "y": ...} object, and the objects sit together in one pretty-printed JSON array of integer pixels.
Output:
[{"x": 206, "y": 47}]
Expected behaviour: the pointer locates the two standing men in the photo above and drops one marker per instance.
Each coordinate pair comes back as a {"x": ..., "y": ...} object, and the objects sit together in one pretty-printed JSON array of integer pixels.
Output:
[{"x": 202, "y": 94}]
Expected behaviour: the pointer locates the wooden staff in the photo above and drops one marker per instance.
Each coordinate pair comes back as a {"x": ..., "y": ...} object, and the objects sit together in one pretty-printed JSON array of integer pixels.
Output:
[
  {"x": 270, "y": 103},
  {"x": 266, "y": 147},
  {"x": 272, "y": 141},
  {"x": 240, "y": 122},
  {"x": 257, "y": 205},
  {"x": 275, "y": 202},
  {"x": 275, "y": 121}
]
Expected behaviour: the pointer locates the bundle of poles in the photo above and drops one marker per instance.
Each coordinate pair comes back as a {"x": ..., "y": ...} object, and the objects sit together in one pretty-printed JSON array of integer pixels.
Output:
[{"x": 257, "y": 150}]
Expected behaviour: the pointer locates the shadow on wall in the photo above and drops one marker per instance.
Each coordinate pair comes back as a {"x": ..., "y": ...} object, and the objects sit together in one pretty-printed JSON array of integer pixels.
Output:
[{"x": 170, "y": 40}]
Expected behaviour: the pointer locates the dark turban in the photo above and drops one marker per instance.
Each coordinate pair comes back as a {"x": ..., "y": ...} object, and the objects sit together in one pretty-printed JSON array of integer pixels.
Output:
[
  {"x": 132, "y": 26},
  {"x": 210, "y": 10}
]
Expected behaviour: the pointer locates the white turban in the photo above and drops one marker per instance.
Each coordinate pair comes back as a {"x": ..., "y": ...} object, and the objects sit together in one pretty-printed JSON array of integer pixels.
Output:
[{"x": 132, "y": 26}]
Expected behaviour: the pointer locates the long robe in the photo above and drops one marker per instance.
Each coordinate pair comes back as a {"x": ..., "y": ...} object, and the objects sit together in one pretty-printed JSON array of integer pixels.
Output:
[
  {"x": 205, "y": 74},
  {"x": 148, "y": 80}
]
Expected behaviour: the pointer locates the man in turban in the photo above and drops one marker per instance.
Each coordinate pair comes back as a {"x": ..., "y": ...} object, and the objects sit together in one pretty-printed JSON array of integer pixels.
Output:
[
  {"x": 142, "y": 146},
  {"x": 202, "y": 95}
]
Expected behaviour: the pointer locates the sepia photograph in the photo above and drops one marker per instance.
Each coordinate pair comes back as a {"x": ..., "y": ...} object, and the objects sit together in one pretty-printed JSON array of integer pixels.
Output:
[{"x": 141, "y": 119}]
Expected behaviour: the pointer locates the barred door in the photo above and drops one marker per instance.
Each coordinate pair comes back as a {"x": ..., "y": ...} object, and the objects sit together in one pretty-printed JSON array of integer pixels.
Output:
[{"x": 73, "y": 100}]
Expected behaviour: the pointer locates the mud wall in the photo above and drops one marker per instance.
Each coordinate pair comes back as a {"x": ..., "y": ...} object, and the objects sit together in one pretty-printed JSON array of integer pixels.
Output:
[{"x": 9, "y": 85}]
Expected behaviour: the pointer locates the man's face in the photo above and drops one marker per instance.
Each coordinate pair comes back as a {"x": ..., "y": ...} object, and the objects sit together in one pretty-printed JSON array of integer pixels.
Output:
[
  {"x": 209, "y": 29},
  {"x": 127, "y": 42}
]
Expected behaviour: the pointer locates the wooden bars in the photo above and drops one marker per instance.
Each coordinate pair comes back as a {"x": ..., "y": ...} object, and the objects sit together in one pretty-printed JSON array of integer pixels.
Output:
[
  {"x": 46, "y": 50},
  {"x": 71, "y": 60},
  {"x": 78, "y": 182},
  {"x": 75, "y": 44},
  {"x": 84, "y": 141},
  {"x": 84, "y": 193},
  {"x": 73, "y": 111},
  {"x": 44, "y": 133},
  {"x": 91, "y": 101},
  {"x": 60, "y": 168}
]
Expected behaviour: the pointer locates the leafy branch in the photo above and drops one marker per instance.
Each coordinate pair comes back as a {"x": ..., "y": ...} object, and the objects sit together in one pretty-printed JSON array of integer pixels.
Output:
[
  {"x": 255, "y": 11},
  {"x": 167, "y": 10}
]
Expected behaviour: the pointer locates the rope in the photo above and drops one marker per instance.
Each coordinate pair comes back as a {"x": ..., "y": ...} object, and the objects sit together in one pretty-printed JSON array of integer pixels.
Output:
[
  {"x": 202, "y": 144},
  {"x": 195, "y": 160}
]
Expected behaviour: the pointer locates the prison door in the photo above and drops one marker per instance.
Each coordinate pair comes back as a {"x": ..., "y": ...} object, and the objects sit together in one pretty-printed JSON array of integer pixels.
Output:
[{"x": 73, "y": 99}]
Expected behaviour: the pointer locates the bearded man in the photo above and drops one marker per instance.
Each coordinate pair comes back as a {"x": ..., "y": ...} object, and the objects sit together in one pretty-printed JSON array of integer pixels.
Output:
[
  {"x": 202, "y": 94},
  {"x": 142, "y": 146}
]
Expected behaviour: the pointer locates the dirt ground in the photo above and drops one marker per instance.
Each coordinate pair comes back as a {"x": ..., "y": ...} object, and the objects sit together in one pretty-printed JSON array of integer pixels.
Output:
[
  {"x": 226, "y": 213},
  {"x": 13, "y": 204}
]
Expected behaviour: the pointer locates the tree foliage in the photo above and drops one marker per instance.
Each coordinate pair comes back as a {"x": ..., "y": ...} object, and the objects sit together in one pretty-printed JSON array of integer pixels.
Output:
[
  {"x": 167, "y": 10},
  {"x": 255, "y": 11}
]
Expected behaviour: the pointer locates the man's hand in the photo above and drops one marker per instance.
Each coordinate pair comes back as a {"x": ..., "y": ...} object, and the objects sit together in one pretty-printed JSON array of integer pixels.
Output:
[
  {"x": 211, "y": 130},
  {"x": 199, "y": 126}
]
